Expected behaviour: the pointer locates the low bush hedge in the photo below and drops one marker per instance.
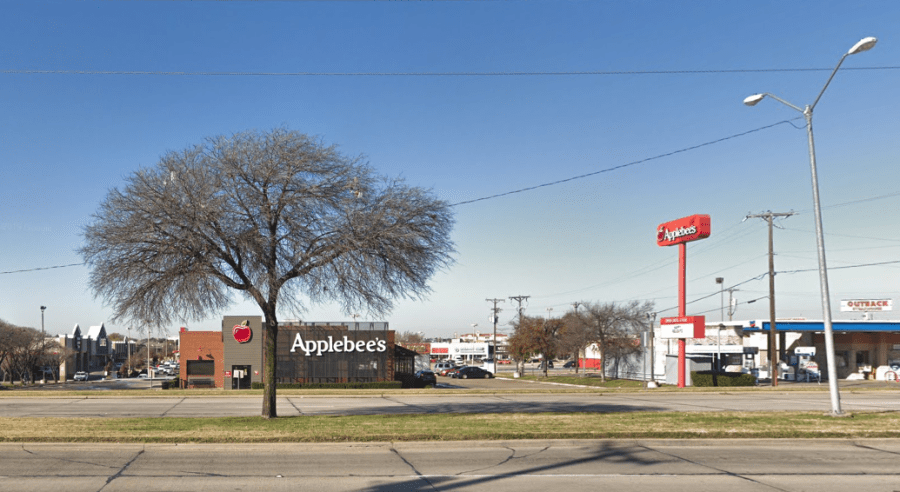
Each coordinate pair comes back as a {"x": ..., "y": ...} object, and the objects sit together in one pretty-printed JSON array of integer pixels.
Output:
[
  {"x": 707, "y": 379},
  {"x": 171, "y": 384},
  {"x": 371, "y": 385}
]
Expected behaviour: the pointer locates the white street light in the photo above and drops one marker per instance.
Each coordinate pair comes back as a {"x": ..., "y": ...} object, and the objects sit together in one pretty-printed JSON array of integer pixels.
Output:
[
  {"x": 864, "y": 44},
  {"x": 754, "y": 99}
]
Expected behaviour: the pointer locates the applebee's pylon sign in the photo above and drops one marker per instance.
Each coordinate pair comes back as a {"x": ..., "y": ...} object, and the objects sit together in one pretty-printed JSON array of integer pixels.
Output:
[{"x": 681, "y": 232}]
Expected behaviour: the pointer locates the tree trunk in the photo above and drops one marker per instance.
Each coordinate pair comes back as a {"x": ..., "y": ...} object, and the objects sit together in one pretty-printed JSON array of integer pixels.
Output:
[
  {"x": 602, "y": 361},
  {"x": 270, "y": 338}
]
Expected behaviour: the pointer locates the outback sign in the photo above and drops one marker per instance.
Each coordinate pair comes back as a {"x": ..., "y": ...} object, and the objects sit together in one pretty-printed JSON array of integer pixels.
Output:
[
  {"x": 867, "y": 305},
  {"x": 683, "y": 230}
]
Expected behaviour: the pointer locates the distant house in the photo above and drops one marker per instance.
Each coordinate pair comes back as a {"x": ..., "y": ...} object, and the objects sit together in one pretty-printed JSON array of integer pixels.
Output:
[
  {"x": 85, "y": 352},
  {"x": 99, "y": 349}
]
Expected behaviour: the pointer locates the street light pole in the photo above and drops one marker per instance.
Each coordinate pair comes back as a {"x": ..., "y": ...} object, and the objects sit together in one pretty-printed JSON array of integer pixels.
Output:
[
  {"x": 720, "y": 281},
  {"x": 864, "y": 44}
]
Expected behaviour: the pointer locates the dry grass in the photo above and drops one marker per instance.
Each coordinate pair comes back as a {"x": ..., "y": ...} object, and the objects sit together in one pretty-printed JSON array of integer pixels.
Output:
[{"x": 455, "y": 427}]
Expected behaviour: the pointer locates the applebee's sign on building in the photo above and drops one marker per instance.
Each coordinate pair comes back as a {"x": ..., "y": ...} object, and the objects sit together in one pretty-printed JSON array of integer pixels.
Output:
[
  {"x": 345, "y": 345},
  {"x": 242, "y": 332}
]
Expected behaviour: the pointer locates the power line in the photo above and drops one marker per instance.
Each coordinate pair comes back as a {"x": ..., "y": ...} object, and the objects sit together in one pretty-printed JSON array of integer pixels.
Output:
[
  {"x": 854, "y": 202},
  {"x": 426, "y": 74},
  {"x": 843, "y": 235},
  {"x": 786, "y": 272},
  {"x": 42, "y": 268},
  {"x": 622, "y": 166}
]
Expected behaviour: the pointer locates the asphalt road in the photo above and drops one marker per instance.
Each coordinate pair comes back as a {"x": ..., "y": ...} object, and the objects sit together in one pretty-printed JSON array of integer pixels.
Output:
[
  {"x": 498, "y": 466},
  {"x": 510, "y": 466},
  {"x": 440, "y": 400}
]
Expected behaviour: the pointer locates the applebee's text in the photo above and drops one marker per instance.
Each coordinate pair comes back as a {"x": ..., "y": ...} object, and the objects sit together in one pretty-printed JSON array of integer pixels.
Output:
[{"x": 319, "y": 347}]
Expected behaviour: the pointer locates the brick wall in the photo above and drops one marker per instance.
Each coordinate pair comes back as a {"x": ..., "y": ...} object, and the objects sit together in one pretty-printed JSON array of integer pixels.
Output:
[{"x": 202, "y": 345}]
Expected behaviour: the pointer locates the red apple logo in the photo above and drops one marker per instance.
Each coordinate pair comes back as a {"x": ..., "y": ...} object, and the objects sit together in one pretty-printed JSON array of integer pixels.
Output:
[{"x": 242, "y": 332}]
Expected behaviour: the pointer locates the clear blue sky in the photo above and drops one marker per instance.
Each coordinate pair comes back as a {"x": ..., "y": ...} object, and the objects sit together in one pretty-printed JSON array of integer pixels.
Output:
[{"x": 89, "y": 94}]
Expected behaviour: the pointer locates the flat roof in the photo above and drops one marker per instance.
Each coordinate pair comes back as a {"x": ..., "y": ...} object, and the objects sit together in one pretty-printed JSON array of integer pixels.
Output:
[{"x": 856, "y": 326}]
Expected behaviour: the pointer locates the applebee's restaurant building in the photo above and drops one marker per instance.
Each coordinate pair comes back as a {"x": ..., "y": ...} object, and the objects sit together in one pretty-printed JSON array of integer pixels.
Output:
[{"x": 308, "y": 352}]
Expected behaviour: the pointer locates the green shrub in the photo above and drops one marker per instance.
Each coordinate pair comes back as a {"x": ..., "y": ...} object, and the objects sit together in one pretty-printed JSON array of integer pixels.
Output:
[
  {"x": 708, "y": 379},
  {"x": 171, "y": 384},
  {"x": 360, "y": 385}
]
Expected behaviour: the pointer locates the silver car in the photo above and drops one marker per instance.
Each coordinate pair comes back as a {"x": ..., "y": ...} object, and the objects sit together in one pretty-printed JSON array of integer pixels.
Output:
[{"x": 81, "y": 376}]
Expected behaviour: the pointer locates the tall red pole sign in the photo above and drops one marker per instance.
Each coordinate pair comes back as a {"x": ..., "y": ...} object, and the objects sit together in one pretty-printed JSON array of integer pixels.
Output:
[{"x": 681, "y": 232}]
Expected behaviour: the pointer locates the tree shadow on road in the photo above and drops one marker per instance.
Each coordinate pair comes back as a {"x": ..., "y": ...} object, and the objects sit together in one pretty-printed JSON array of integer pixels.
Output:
[{"x": 605, "y": 453}]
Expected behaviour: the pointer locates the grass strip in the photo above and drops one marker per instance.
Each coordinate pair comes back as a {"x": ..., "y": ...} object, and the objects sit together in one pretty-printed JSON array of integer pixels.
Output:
[
  {"x": 583, "y": 380},
  {"x": 451, "y": 427}
]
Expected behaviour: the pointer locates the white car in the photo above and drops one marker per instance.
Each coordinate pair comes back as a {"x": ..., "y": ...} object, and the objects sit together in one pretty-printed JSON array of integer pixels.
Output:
[{"x": 81, "y": 376}]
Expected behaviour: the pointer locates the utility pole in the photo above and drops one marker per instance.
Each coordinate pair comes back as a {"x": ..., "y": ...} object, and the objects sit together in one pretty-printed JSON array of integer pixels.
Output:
[
  {"x": 519, "y": 299},
  {"x": 576, "y": 305},
  {"x": 494, "y": 311},
  {"x": 732, "y": 304},
  {"x": 773, "y": 331}
]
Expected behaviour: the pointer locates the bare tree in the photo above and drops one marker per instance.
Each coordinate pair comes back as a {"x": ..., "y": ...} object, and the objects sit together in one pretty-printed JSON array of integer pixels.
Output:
[
  {"x": 21, "y": 351},
  {"x": 409, "y": 338},
  {"x": 519, "y": 349},
  {"x": 133, "y": 364},
  {"x": 574, "y": 337},
  {"x": 535, "y": 335},
  {"x": 612, "y": 327},
  {"x": 275, "y": 217},
  {"x": 6, "y": 346},
  {"x": 55, "y": 355}
]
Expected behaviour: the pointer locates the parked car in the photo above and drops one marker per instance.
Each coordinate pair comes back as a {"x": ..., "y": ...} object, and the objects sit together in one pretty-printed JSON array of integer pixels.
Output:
[
  {"x": 453, "y": 372},
  {"x": 473, "y": 373},
  {"x": 81, "y": 376},
  {"x": 441, "y": 368},
  {"x": 570, "y": 364},
  {"x": 504, "y": 361},
  {"x": 425, "y": 379}
]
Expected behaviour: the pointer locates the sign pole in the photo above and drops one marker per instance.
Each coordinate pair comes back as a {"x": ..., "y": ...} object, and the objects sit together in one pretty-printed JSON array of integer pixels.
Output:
[
  {"x": 681, "y": 232},
  {"x": 682, "y": 284}
]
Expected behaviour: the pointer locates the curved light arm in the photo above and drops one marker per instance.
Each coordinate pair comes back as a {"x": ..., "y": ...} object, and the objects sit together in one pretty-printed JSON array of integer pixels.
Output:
[
  {"x": 864, "y": 44},
  {"x": 813, "y": 105},
  {"x": 756, "y": 98}
]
